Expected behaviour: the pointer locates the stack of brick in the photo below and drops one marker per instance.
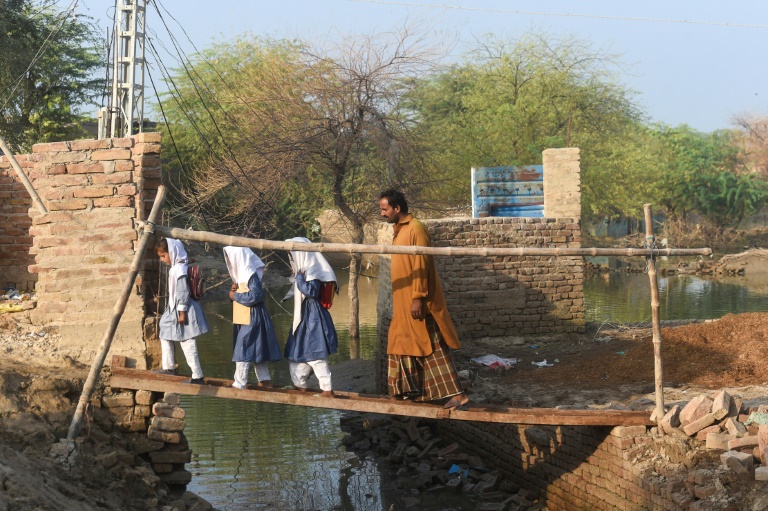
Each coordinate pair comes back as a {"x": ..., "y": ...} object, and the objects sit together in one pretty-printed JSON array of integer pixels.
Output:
[
  {"x": 128, "y": 410},
  {"x": 95, "y": 191},
  {"x": 723, "y": 424},
  {"x": 167, "y": 427},
  {"x": 156, "y": 454}
]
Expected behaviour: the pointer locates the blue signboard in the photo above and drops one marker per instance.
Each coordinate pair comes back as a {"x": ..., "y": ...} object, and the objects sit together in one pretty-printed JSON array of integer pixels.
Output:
[{"x": 508, "y": 191}]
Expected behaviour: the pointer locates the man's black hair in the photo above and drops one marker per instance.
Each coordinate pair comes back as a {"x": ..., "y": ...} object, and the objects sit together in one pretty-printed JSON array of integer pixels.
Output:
[{"x": 395, "y": 198}]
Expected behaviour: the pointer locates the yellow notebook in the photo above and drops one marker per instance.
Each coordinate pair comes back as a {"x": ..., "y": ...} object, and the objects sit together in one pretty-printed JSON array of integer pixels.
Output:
[{"x": 241, "y": 315}]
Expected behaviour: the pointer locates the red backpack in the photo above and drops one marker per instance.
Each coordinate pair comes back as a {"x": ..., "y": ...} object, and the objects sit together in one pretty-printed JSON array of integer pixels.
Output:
[
  {"x": 327, "y": 291},
  {"x": 196, "y": 281}
]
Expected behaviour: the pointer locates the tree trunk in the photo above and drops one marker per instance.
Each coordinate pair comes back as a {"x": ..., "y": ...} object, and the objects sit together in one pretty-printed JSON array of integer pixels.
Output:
[{"x": 354, "y": 299}]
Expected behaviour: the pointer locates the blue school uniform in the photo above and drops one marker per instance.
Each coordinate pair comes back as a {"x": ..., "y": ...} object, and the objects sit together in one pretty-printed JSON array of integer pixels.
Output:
[
  {"x": 256, "y": 342},
  {"x": 315, "y": 337},
  {"x": 169, "y": 327}
]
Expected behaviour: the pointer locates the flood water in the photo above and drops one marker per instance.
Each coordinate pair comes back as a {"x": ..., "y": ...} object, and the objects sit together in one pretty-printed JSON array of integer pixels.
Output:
[
  {"x": 626, "y": 297},
  {"x": 265, "y": 456}
]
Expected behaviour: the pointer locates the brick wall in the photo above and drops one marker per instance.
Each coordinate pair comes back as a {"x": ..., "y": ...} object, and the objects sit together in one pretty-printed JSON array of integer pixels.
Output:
[
  {"x": 94, "y": 190},
  {"x": 503, "y": 296},
  {"x": 584, "y": 468},
  {"x": 15, "y": 222}
]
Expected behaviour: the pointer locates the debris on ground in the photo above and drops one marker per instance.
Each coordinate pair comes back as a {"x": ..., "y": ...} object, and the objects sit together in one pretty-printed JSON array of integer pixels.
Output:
[{"x": 495, "y": 361}]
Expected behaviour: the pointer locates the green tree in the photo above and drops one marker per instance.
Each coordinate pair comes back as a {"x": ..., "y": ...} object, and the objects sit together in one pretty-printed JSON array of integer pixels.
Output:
[
  {"x": 47, "y": 62},
  {"x": 311, "y": 128},
  {"x": 705, "y": 173},
  {"x": 510, "y": 100}
]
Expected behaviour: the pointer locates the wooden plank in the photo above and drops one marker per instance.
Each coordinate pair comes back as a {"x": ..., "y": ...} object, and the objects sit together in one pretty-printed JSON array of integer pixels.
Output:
[{"x": 145, "y": 380}]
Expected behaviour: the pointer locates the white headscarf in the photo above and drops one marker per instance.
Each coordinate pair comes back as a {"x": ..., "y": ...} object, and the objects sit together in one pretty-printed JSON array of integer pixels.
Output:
[
  {"x": 178, "y": 269},
  {"x": 242, "y": 263},
  {"x": 314, "y": 267}
]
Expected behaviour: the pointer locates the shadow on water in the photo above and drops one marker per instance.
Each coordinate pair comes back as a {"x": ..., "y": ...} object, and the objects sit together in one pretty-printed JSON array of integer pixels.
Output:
[
  {"x": 268, "y": 456},
  {"x": 626, "y": 297}
]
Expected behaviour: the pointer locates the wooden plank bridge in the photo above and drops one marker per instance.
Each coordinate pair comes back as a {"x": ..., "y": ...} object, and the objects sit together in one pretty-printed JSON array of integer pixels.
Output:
[{"x": 137, "y": 379}]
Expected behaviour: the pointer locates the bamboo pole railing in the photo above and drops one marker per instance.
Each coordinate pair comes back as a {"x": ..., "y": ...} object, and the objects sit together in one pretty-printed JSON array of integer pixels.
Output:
[
  {"x": 117, "y": 313},
  {"x": 650, "y": 252},
  {"x": 658, "y": 370},
  {"x": 353, "y": 248}
]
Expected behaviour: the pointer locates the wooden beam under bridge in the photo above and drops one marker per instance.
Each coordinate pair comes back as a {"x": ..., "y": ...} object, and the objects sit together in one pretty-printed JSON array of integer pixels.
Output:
[{"x": 136, "y": 379}]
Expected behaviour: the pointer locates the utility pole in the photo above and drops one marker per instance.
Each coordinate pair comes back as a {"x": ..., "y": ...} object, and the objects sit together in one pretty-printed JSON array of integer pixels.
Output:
[{"x": 126, "y": 105}]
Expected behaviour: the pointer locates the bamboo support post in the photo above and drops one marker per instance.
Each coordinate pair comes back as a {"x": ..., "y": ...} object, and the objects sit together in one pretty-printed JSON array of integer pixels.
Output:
[
  {"x": 351, "y": 248},
  {"x": 117, "y": 313},
  {"x": 658, "y": 370},
  {"x": 24, "y": 179}
]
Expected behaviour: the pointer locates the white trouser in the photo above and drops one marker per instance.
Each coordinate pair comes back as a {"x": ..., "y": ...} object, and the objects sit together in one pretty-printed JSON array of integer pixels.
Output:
[
  {"x": 189, "y": 347},
  {"x": 300, "y": 371},
  {"x": 241, "y": 373}
]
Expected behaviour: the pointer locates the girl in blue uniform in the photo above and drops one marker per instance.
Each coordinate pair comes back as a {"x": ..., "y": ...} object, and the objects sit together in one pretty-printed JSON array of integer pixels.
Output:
[
  {"x": 312, "y": 338},
  {"x": 256, "y": 342},
  {"x": 183, "y": 319}
]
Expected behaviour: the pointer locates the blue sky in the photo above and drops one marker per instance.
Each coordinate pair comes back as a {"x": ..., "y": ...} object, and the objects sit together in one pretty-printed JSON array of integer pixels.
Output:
[{"x": 701, "y": 75}]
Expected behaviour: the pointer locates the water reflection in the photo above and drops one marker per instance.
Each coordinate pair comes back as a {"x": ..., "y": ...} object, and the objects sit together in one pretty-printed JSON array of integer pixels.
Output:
[
  {"x": 267, "y": 456},
  {"x": 626, "y": 297}
]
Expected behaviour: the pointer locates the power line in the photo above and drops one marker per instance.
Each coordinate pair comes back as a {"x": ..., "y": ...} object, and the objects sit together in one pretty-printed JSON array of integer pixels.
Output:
[
  {"x": 176, "y": 149},
  {"x": 565, "y": 14},
  {"x": 208, "y": 111}
]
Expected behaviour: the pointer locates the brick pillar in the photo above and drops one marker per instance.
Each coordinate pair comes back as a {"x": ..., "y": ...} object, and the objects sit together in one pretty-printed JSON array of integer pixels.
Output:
[{"x": 562, "y": 183}]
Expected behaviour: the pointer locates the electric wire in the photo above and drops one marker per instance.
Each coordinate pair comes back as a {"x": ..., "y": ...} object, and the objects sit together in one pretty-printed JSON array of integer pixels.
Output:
[
  {"x": 208, "y": 111},
  {"x": 186, "y": 109},
  {"x": 176, "y": 149},
  {"x": 565, "y": 14}
]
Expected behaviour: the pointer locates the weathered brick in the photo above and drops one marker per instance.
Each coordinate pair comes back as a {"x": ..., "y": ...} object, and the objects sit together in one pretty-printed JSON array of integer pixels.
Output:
[
  {"x": 143, "y": 397},
  {"x": 163, "y": 436},
  {"x": 85, "y": 168},
  {"x": 165, "y": 456},
  {"x": 694, "y": 427},
  {"x": 111, "y": 154},
  {"x": 112, "y": 179},
  {"x": 747, "y": 441},
  {"x": 154, "y": 138},
  {"x": 50, "y": 147},
  {"x": 168, "y": 424},
  {"x": 696, "y": 408},
  {"x": 85, "y": 145},
  {"x": 177, "y": 477},
  {"x": 121, "y": 399},
  {"x": 120, "y": 201},
  {"x": 94, "y": 191},
  {"x": 68, "y": 204},
  {"x": 718, "y": 441},
  {"x": 122, "y": 142}
]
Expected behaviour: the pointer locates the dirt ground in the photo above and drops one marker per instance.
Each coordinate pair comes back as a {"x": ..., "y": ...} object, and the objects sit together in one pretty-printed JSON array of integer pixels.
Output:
[{"x": 614, "y": 367}]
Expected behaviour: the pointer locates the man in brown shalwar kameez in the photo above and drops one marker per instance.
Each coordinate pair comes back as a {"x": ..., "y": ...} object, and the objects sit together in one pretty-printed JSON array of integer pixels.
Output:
[{"x": 421, "y": 333}]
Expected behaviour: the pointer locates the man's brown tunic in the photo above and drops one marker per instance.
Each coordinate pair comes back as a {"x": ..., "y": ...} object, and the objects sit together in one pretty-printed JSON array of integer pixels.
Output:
[{"x": 414, "y": 276}]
